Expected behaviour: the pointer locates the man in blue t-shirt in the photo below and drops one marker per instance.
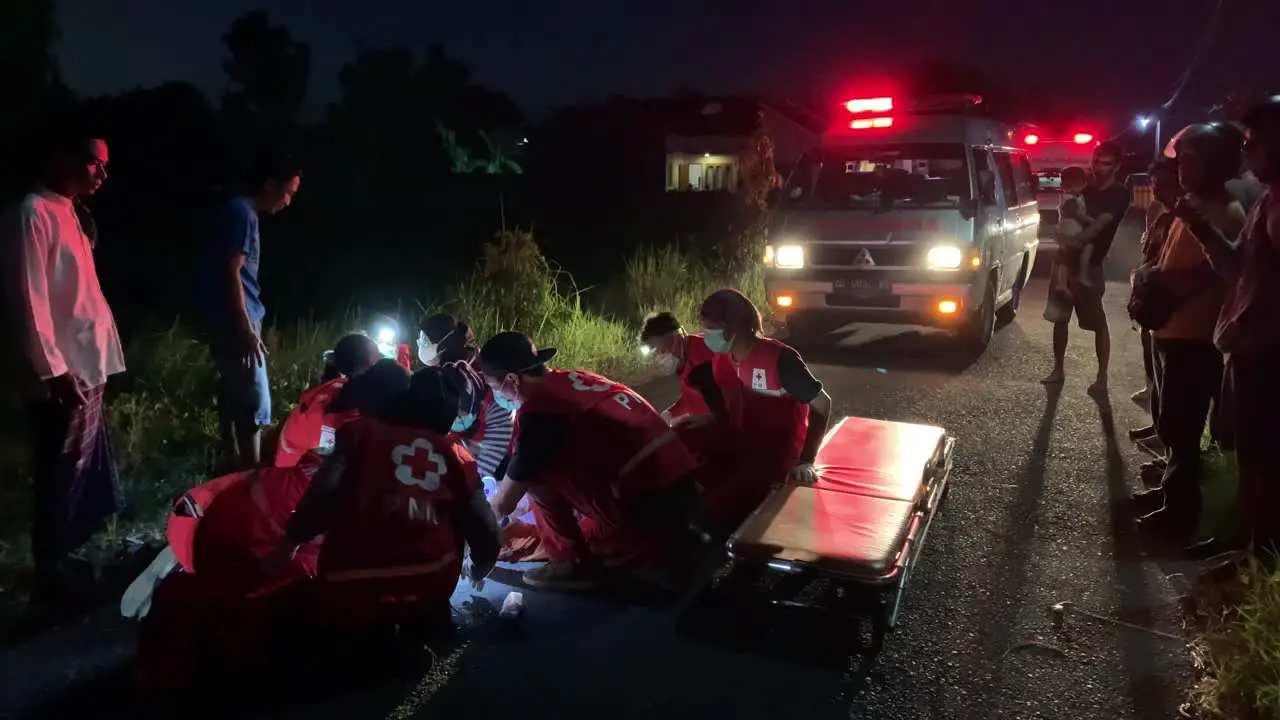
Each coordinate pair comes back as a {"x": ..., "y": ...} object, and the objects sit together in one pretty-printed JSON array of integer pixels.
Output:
[{"x": 234, "y": 310}]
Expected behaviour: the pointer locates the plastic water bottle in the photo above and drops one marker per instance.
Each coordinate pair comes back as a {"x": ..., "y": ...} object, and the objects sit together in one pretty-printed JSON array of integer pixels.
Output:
[{"x": 512, "y": 606}]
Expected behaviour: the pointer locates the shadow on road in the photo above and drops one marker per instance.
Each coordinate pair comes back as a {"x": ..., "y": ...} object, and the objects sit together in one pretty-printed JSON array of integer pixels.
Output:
[
  {"x": 733, "y": 611},
  {"x": 1018, "y": 536},
  {"x": 926, "y": 350},
  {"x": 1149, "y": 688}
]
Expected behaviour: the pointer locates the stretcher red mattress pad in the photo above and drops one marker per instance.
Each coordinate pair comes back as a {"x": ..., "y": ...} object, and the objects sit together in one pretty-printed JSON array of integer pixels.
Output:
[
  {"x": 855, "y": 520},
  {"x": 842, "y": 533},
  {"x": 878, "y": 458}
]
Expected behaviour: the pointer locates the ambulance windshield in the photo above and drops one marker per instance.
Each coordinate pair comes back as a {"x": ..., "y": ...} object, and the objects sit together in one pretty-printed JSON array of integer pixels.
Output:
[{"x": 881, "y": 177}]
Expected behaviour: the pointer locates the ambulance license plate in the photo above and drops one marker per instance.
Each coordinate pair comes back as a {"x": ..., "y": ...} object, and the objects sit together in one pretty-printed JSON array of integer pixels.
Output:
[{"x": 862, "y": 286}]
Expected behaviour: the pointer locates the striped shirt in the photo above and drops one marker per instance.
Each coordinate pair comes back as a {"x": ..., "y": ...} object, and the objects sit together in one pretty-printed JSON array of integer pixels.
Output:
[{"x": 496, "y": 443}]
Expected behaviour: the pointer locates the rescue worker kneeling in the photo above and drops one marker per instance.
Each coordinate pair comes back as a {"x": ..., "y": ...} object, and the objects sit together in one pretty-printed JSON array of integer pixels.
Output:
[
  {"x": 585, "y": 443},
  {"x": 777, "y": 411},
  {"x": 699, "y": 415},
  {"x": 313, "y": 422},
  {"x": 398, "y": 502},
  {"x": 217, "y": 614}
]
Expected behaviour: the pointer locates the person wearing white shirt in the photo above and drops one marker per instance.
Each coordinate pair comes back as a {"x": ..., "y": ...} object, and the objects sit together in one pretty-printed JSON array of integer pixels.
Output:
[{"x": 66, "y": 347}]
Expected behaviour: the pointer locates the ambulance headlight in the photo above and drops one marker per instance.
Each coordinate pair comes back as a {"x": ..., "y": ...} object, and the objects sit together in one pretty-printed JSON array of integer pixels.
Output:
[
  {"x": 789, "y": 257},
  {"x": 944, "y": 257},
  {"x": 385, "y": 335}
]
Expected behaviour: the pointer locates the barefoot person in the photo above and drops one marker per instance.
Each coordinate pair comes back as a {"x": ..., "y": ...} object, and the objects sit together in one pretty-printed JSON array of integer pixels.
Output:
[
  {"x": 1106, "y": 201},
  {"x": 66, "y": 345}
]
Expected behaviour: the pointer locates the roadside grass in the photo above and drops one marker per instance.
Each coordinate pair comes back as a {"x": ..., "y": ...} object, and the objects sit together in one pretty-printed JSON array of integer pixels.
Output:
[
  {"x": 1237, "y": 653},
  {"x": 166, "y": 427}
]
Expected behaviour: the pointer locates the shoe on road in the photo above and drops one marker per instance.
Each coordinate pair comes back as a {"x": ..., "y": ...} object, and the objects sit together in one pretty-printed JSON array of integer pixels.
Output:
[{"x": 1143, "y": 433}]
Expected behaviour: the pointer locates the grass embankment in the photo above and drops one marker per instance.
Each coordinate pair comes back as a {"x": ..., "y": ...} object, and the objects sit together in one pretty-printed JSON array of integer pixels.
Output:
[
  {"x": 166, "y": 427},
  {"x": 1237, "y": 653}
]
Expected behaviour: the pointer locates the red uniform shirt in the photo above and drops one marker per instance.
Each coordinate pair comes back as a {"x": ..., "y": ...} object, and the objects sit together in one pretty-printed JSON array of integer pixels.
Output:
[
  {"x": 398, "y": 519},
  {"x": 311, "y": 425},
  {"x": 616, "y": 439},
  {"x": 691, "y": 401}
]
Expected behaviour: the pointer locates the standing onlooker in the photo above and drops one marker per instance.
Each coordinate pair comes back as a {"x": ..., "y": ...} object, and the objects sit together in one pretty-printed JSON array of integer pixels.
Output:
[
  {"x": 67, "y": 348},
  {"x": 1247, "y": 332},
  {"x": 1165, "y": 191},
  {"x": 235, "y": 311},
  {"x": 1106, "y": 201},
  {"x": 1190, "y": 366}
]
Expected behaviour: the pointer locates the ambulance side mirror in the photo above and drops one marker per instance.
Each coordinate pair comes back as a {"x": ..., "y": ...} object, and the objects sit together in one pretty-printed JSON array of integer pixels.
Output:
[{"x": 968, "y": 208}]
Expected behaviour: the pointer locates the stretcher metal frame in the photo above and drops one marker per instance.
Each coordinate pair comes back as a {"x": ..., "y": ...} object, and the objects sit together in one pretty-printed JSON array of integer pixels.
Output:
[{"x": 877, "y": 598}]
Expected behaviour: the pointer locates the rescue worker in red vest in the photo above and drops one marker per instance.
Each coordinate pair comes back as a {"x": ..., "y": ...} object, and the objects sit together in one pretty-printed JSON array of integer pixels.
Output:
[
  {"x": 396, "y": 501},
  {"x": 585, "y": 443},
  {"x": 311, "y": 425},
  {"x": 484, "y": 427},
  {"x": 777, "y": 410},
  {"x": 687, "y": 356}
]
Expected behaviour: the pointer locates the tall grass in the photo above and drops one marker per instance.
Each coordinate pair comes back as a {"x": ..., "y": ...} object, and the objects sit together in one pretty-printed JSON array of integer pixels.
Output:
[
  {"x": 1238, "y": 653},
  {"x": 668, "y": 280},
  {"x": 162, "y": 411}
]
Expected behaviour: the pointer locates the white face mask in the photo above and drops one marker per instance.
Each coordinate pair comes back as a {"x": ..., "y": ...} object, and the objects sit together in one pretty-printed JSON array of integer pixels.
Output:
[{"x": 426, "y": 351}]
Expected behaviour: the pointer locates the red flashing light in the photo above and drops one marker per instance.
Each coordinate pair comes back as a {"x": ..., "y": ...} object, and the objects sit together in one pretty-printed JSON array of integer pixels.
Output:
[
  {"x": 878, "y": 105},
  {"x": 1031, "y": 139},
  {"x": 868, "y": 123},
  {"x": 1083, "y": 138}
]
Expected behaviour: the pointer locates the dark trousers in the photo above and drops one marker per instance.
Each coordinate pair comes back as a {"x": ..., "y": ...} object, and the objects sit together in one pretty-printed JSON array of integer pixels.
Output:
[
  {"x": 1150, "y": 364},
  {"x": 1253, "y": 388},
  {"x": 1190, "y": 378}
]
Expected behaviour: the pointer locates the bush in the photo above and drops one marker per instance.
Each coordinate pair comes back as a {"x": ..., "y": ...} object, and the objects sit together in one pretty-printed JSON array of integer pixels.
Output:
[
  {"x": 162, "y": 410},
  {"x": 1240, "y": 653}
]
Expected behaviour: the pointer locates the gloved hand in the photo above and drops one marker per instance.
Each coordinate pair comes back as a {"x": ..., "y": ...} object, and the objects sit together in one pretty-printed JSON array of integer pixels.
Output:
[
  {"x": 803, "y": 474},
  {"x": 475, "y": 574}
]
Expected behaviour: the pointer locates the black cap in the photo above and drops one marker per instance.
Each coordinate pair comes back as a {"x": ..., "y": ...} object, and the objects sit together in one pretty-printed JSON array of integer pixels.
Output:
[{"x": 512, "y": 352}]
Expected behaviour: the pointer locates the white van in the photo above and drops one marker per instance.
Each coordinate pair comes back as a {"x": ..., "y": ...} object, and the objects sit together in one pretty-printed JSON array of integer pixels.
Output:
[{"x": 910, "y": 213}]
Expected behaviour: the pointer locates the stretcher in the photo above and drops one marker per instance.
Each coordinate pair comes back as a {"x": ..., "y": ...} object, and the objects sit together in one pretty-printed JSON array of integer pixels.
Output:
[{"x": 860, "y": 527}]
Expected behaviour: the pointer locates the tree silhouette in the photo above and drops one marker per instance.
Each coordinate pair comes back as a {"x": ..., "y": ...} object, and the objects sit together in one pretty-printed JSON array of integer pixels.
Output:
[
  {"x": 268, "y": 71},
  {"x": 30, "y": 85}
]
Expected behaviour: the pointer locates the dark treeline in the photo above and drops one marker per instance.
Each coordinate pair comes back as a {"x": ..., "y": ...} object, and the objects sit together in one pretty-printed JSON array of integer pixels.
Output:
[{"x": 407, "y": 174}]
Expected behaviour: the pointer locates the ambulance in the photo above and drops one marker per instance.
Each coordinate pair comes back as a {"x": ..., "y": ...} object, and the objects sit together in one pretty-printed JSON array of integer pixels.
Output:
[
  {"x": 1051, "y": 153},
  {"x": 909, "y": 211}
]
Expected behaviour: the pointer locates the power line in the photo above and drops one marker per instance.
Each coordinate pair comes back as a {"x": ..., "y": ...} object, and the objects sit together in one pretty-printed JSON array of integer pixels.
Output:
[{"x": 1211, "y": 30}]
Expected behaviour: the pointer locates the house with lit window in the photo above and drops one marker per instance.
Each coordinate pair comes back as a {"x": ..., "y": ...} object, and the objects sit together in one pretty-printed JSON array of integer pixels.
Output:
[{"x": 704, "y": 138}]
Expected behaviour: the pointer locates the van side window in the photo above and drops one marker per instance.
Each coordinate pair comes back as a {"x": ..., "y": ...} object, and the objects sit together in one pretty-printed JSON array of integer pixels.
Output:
[
  {"x": 1004, "y": 163},
  {"x": 984, "y": 176},
  {"x": 1024, "y": 179}
]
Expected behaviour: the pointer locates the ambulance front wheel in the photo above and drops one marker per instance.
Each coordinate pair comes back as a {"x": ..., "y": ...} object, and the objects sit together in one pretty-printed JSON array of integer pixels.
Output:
[{"x": 976, "y": 335}]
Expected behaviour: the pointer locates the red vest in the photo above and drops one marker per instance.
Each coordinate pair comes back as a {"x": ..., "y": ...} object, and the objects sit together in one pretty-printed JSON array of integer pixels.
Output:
[
  {"x": 616, "y": 437},
  {"x": 769, "y": 423},
  {"x": 398, "y": 520},
  {"x": 310, "y": 426},
  {"x": 691, "y": 401},
  {"x": 223, "y": 528}
]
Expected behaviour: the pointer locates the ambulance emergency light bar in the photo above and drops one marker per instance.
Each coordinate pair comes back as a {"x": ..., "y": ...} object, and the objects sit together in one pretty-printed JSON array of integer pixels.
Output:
[
  {"x": 1078, "y": 138},
  {"x": 871, "y": 112}
]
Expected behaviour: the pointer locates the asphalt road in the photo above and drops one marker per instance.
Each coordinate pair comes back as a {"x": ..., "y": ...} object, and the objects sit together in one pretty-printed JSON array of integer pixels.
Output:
[{"x": 1033, "y": 519}]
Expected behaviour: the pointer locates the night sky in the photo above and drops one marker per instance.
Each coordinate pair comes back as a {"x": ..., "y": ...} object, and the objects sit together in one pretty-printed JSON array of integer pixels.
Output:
[{"x": 1116, "y": 56}]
